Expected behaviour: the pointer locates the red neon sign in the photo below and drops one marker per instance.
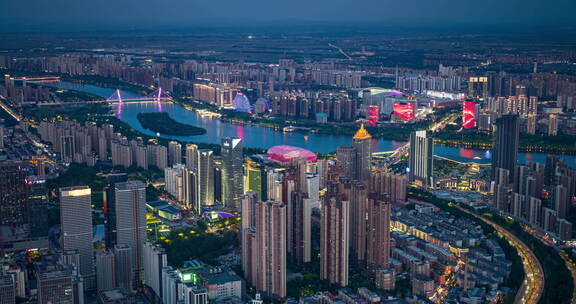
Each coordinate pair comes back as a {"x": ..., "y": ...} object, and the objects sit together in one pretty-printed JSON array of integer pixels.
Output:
[
  {"x": 373, "y": 115},
  {"x": 405, "y": 110},
  {"x": 468, "y": 114}
]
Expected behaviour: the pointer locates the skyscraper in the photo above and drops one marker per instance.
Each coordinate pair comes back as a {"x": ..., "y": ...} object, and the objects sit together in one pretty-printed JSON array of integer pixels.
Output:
[
  {"x": 232, "y": 171},
  {"x": 124, "y": 266},
  {"x": 76, "y": 228},
  {"x": 334, "y": 239},
  {"x": 247, "y": 235},
  {"x": 248, "y": 210},
  {"x": 421, "y": 154},
  {"x": 174, "y": 153},
  {"x": 256, "y": 179},
  {"x": 362, "y": 143},
  {"x": 356, "y": 193},
  {"x": 55, "y": 286},
  {"x": 271, "y": 248},
  {"x": 560, "y": 201},
  {"x": 298, "y": 225},
  {"x": 383, "y": 180},
  {"x": 205, "y": 178},
  {"x": 378, "y": 243},
  {"x": 191, "y": 156},
  {"x": 181, "y": 183},
  {"x": 121, "y": 153},
  {"x": 155, "y": 259},
  {"x": 131, "y": 221},
  {"x": 68, "y": 148},
  {"x": 346, "y": 158},
  {"x": 13, "y": 194},
  {"x": 110, "y": 208},
  {"x": 478, "y": 87},
  {"x": 552, "y": 125},
  {"x": 506, "y": 141},
  {"x": 105, "y": 270}
]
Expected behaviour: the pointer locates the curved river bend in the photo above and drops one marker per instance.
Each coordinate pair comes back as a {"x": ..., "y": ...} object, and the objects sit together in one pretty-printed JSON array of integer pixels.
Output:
[{"x": 262, "y": 137}]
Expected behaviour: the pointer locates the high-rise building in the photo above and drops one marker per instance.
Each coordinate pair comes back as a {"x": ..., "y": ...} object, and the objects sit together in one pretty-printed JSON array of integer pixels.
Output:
[
  {"x": 68, "y": 148},
  {"x": 248, "y": 210},
  {"x": 506, "y": 141},
  {"x": 141, "y": 156},
  {"x": 174, "y": 153},
  {"x": 232, "y": 171},
  {"x": 55, "y": 286},
  {"x": 76, "y": 228},
  {"x": 109, "y": 196},
  {"x": 157, "y": 156},
  {"x": 205, "y": 178},
  {"x": 13, "y": 195},
  {"x": 105, "y": 270},
  {"x": 534, "y": 210},
  {"x": 299, "y": 227},
  {"x": 531, "y": 124},
  {"x": 356, "y": 193},
  {"x": 334, "y": 239},
  {"x": 181, "y": 183},
  {"x": 173, "y": 177},
  {"x": 564, "y": 229},
  {"x": 346, "y": 158},
  {"x": 548, "y": 219},
  {"x": 256, "y": 180},
  {"x": 478, "y": 87},
  {"x": 131, "y": 222},
  {"x": 124, "y": 269},
  {"x": 560, "y": 201},
  {"x": 383, "y": 180},
  {"x": 421, "y": 155},
  {"x": 121, "y": 153},
  {"x": 247, "y": 234},
  {"x": 191, "y": 156},
  {"x": 7, "y": 290},
  {"x": 378, "y": 243},
  {"x": 362, "y": 142},
  {"x": 155, "y": 259},
  {"x": 552, "y": 125},
  {"x": 271, "y": 248}
]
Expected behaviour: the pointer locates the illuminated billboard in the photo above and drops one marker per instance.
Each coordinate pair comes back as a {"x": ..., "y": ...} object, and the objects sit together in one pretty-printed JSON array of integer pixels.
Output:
[
  {"x": 373, "y": 115},
  {"x": 405, "y": 110},
  {"x": 468, "y": 114}
]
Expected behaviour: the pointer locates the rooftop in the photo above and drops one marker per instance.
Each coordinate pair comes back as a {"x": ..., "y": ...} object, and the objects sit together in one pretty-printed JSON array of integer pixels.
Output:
[{"x": 362, "y": 133}]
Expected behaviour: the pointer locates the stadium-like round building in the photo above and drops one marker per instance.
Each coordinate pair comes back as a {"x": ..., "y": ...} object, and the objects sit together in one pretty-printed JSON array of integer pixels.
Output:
[{"x": 286, "y": 154}]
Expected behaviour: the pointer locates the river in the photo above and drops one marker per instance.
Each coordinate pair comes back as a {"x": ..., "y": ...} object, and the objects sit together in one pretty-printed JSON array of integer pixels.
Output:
[{"x": 263, "y": 137}]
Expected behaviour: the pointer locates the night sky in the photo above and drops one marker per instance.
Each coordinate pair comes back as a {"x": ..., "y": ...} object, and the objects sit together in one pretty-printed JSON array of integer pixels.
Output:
[{"x": 21, "y": 14}]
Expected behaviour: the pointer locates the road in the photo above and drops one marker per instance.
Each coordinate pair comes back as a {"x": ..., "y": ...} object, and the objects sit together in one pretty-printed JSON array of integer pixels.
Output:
[
  {"x": 572, "y": 269},
  {"x": 340, "y": 50},
  {"x": 8, "y": 109},
  {"x": 533, "y": 285},
  {"x": 546, "y": 239}
]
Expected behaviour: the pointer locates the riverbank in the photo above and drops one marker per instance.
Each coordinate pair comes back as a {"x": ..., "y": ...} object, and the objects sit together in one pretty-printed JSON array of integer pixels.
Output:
[
  {"x": 399, "y": 132},
  {"x": 560, "y": 144},
  {"x": 162, "y": 123},
  {"x": 131, "y": 133}
]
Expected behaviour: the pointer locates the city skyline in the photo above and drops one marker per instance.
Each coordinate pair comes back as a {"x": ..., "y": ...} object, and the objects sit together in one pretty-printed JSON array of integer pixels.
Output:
[{"x": 298, "y": 152}]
